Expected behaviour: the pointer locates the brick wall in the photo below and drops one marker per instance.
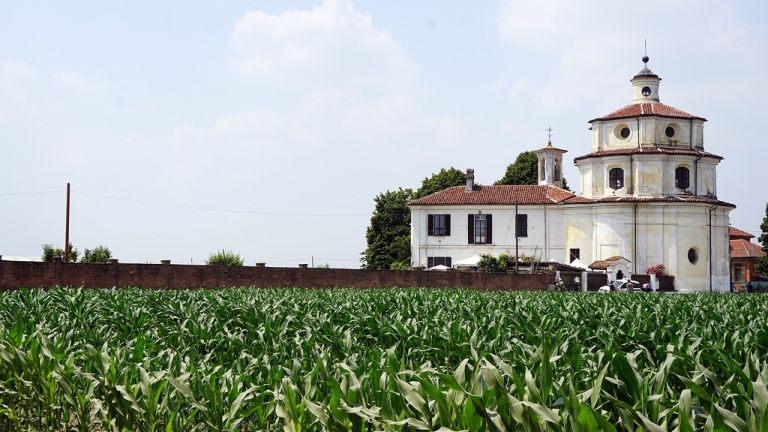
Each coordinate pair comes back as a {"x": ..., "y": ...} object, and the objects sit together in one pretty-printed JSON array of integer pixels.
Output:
[{"x": 14, "y": 274}]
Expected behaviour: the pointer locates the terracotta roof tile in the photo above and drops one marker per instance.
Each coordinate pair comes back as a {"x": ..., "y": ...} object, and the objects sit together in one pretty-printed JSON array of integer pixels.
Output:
[
  {"x": 500, "y": 194},
  {"x": 643, "y": 109},
  {"x": 741, "y": 248},
  {"x": 648, "y": 150},
  {"x": 736, "y": 233},
  {"x": 633, "y": 199}
]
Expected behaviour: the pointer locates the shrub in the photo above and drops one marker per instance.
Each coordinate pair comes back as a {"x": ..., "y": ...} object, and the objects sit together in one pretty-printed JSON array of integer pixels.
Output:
[
  {"x": 227, "y": 258},
  {"x": 99, "y": 254},
  {"x": 50, "y": 252},
  {"x": 491, "y": 264},
  {"x": 400, "y": 265}
]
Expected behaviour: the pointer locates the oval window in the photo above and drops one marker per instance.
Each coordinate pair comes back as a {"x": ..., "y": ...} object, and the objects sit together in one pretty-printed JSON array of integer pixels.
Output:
[
  {"x": 693, "y": 256},
  {"x": 646, "y": 91},
  {"x": 625, "y": 132},
  {"x": 669, "y": 131}
]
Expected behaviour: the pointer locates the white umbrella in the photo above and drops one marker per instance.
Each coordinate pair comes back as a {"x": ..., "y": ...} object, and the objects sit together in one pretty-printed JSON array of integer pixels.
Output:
[
  {"x": 578, "y": 264},
  {"x": 468, "y": 262},
  {"x": 438, "y": 267}
]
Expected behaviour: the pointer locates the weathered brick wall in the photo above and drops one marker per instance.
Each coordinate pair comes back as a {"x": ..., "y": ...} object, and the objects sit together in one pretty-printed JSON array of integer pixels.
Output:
[{"x": 15, "y": 275}]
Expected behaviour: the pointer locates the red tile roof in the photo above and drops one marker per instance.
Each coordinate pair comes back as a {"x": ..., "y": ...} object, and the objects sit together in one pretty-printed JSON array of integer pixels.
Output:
[
  {"x": 736, "y": 233},
  {"x": 633, "y": 199},
  {"x": 501, "y": 194},
  {"x": 604, "y": 264},
  {"x": 643, "y": 109},
  {"x": 648, "y": 150},
  {"x": 741, "y": 248},
  {"x": 539, "y": 195}
]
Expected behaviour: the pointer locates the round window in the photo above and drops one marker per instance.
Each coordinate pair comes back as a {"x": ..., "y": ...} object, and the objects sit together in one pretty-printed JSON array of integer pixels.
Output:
[
  {"x": 646, "y": 91},
  {"x": 693, "y": 256},
  {"x": 624, "y": 132},
  {"x": 669, "y": 131}
]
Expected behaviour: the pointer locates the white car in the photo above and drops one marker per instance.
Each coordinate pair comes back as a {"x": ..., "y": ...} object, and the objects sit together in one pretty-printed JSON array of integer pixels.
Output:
[{"x": 620, "y": 285}]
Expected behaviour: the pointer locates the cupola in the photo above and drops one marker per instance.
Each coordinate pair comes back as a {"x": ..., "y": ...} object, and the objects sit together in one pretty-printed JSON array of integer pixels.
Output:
[{"x": 645, "y": 85}]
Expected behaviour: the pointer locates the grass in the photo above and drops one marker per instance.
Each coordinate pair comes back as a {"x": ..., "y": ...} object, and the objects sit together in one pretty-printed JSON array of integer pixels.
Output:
[{"x": 406, "y": 359}]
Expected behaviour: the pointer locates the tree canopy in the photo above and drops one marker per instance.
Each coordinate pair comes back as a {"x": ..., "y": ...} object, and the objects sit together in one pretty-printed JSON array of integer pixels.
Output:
[
  {"x": 389, "y": 234},
  {"x": 438, "y": 181},
  {"x": 99, "y": 254},
  {"x": 761, "y": 266},
  {"x": 523, "y": 171}
]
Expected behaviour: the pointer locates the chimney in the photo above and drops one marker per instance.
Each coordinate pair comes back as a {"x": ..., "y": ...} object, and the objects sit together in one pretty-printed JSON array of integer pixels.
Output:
[{"x": 470, "y": 180}]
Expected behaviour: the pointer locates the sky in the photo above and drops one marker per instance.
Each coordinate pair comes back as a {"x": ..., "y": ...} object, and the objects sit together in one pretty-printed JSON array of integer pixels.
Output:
[{"x": 268, "y": 127}]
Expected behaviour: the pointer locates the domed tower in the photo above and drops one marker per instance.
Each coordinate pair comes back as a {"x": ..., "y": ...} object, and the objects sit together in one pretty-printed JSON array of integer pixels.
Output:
[
  {"x": 647, "y": 149},
  {"x": 649, "y": 193}
]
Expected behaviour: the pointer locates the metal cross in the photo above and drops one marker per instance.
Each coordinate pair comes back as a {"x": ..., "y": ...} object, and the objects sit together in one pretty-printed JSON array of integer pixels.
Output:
[{"x": 549, "y": 133}]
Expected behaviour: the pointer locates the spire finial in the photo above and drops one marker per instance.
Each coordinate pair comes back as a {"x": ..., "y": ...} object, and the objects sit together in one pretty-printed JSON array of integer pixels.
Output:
[
  {"x": 645, "y": 52},
  {"x": 549, "y": 135}
]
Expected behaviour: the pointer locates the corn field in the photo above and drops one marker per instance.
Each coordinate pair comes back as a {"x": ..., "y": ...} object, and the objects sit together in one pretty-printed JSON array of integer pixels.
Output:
[{"x": 392, "y": 360}]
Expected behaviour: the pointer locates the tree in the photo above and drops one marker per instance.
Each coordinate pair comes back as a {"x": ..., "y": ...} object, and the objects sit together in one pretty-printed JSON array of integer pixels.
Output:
[
  {"x": 524, "y": 171},
  {"x": 227, "y": 258},
  {"x": 443, "y": 179},
  {"x": 389, "y": 234},
  {"x": 50, "y": 252},
  {"x": 761, "y": 265},
  {"x": 99, "y": 254}
]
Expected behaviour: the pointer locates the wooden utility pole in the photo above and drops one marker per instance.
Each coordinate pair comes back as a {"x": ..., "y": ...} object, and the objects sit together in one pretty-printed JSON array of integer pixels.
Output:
[{"x": 66, "y": 230}]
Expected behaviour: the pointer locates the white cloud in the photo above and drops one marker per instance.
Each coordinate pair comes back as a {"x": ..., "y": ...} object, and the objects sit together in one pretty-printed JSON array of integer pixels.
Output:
[
  {"x": 592, "y": 41},
  {"x": 76, "y": 82},
  {"x": 331, "y": 45}
]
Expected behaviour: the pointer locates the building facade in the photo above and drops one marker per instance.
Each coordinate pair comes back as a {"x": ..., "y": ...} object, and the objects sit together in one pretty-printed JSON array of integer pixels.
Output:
[
  {"x": 648, "y": 194},
  {"x": 744, "y": 255}
]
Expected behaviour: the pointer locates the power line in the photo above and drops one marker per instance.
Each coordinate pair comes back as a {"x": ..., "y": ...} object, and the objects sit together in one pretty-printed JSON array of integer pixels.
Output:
[
  {"x": 30, "y": 193},
  {"x": 213, "y": 209}
]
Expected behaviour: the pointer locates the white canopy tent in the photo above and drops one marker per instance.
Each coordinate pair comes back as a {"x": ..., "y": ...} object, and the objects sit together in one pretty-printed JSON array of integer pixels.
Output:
[
  {"x": 438, "y": 267},
  {"x": 468, "y": 262},
  {"x": 578, "y": 264}
]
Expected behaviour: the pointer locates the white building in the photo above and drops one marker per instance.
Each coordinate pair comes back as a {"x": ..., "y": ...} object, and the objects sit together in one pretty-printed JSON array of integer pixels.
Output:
[{"x": 648, "y": 194}]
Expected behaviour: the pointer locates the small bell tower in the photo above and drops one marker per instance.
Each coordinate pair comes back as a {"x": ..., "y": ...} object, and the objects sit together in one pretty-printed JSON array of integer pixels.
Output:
[
  {"x": 645, "y": 85},
  {"x": 550, "y": 163}
]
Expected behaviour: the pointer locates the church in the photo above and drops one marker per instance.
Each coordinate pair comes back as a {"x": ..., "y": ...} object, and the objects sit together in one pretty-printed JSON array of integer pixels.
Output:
[{"x": 648, "y": 197}]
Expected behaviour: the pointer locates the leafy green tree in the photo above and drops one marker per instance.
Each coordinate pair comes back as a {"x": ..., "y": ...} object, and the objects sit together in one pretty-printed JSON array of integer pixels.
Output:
[
  {"x": 523, "y": 171},
  {"x": 99, "y": 254},
  {"x": 50, "y": 252},
  {"x": 761, "y": 266},
  {"x": 227, "y": 258},
  {"x": 389, "y": 234},
  {"x": 438, "y": 181}
]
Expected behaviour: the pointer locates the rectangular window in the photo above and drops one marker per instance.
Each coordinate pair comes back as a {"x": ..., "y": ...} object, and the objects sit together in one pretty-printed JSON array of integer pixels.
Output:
[
  {"x": 439, "y": 225},
  {"x": 434, "y": 261},
  {"x": 521, "y": 225},
  {"x": 738, "y": 272},
  {"x": 574, "y": 255},
  {"x": 479, "y": 229}
]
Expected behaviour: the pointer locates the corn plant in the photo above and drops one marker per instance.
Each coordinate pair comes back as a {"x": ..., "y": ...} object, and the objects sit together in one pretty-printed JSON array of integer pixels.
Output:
[{"x": 244, "y": 359}]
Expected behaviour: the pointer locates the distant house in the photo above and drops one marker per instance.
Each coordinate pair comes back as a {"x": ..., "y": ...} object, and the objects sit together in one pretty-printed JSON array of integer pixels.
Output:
[{"x": 744, "y": 254}]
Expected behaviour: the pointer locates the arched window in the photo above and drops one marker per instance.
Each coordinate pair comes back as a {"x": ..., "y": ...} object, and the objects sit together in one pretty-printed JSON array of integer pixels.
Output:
[
  {"x": 682, "y": 178},
  {"x": 557, "y": 169},
  {"x": 542, "y": 170},
  {"x": 616, "y": 178}
]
